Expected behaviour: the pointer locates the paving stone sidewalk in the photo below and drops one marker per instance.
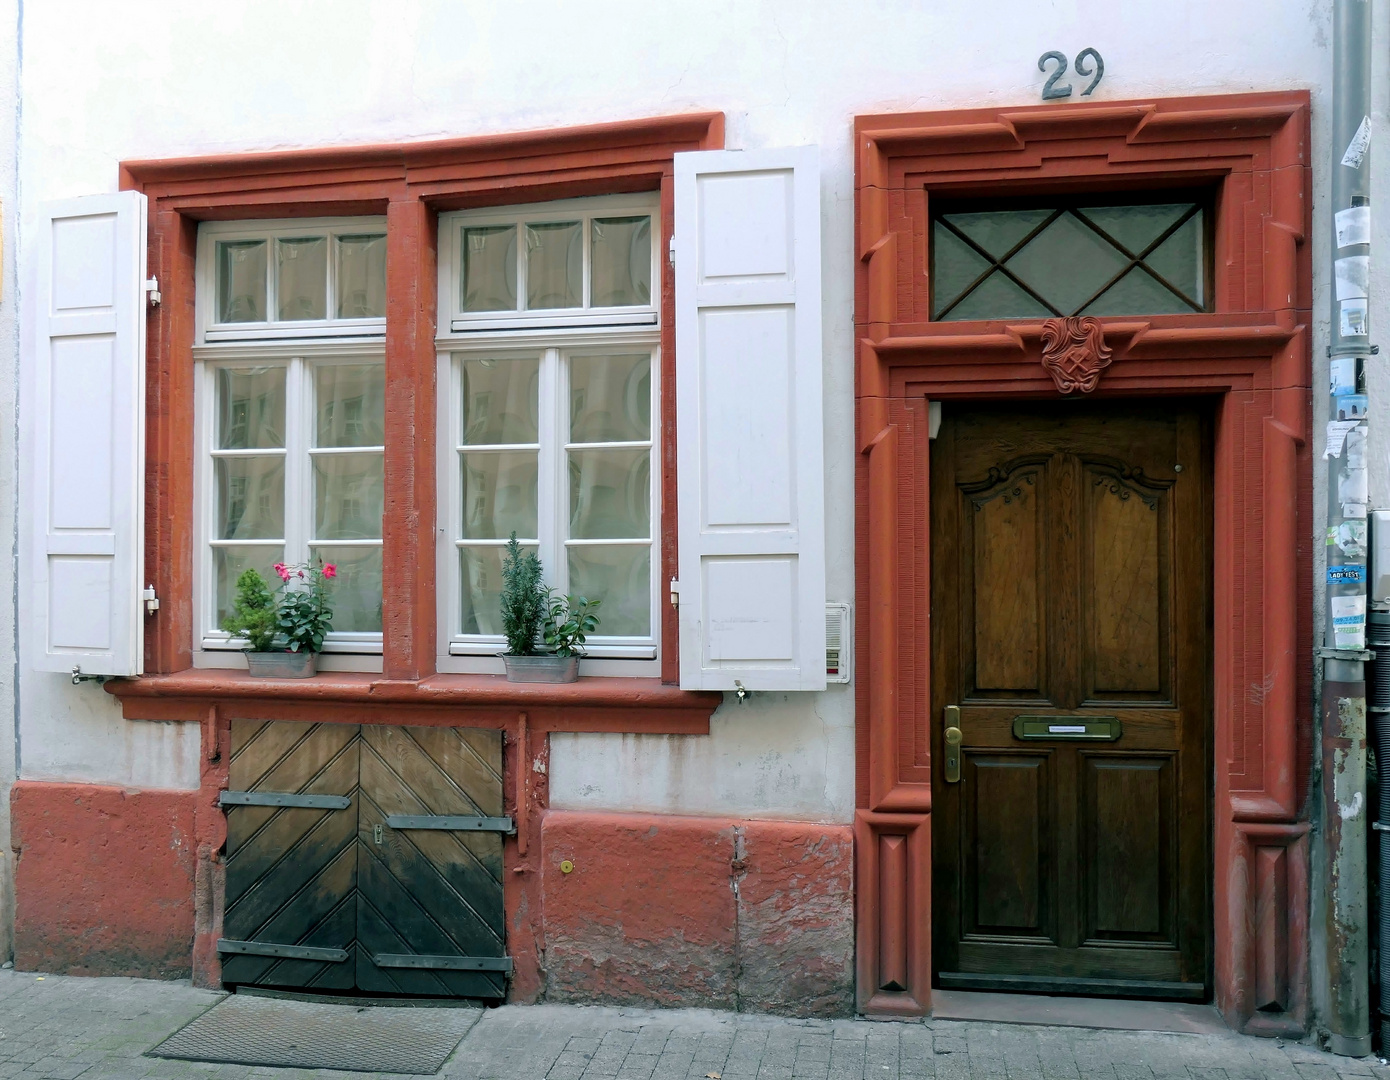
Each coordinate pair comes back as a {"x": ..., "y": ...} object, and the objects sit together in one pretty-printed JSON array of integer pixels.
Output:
[{"x": 65, "y": 1028}]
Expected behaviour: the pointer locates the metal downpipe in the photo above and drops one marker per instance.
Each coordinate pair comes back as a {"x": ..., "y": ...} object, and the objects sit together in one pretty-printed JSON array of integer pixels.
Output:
[{"x": 1344, "y": 733}]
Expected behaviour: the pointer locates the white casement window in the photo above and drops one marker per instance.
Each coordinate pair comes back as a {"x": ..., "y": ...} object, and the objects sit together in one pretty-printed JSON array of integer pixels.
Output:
[
  {"x": 548, "y": 391},
  {"x": 290, "y": 419}
]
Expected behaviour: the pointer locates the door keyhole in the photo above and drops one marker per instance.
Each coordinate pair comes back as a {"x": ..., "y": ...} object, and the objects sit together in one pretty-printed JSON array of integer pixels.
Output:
[{"x": 376, "y": 834}]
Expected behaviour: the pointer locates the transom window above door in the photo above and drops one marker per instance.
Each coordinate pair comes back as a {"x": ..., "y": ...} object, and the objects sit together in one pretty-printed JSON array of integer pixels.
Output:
[
  {"x": 576, "y": 263},
  {"x": 1018, "y": 260}
]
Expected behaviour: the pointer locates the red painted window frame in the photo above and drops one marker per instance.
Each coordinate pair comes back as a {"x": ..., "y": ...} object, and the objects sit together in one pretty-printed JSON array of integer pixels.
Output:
[
  {"x": 410, "y": 184},
  {"x": 1252, "y": 354}
]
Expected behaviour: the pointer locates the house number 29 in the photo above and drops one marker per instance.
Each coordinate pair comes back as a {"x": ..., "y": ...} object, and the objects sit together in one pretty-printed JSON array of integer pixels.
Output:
[{"x": 1050, "y": 88}]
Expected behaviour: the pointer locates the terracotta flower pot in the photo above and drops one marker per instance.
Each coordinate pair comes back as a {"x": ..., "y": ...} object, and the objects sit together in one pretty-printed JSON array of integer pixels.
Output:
[
  {"x": 542, "y": 669},
  {"x": 282, "y": 665}
]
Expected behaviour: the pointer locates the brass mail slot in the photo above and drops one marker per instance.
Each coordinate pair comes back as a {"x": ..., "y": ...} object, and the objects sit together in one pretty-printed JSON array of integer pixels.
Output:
[{"x": 1086, "y": 728}]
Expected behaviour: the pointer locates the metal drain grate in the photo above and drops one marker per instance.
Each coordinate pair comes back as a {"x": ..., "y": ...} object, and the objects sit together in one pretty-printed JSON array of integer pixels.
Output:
[{"x": 244, "y": 1030}]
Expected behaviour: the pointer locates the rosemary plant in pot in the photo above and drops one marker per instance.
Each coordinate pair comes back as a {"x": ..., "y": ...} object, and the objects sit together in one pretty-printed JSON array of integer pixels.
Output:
[
  {"x": 284, "y": 629},
  {"x": 545, "y": 631}
]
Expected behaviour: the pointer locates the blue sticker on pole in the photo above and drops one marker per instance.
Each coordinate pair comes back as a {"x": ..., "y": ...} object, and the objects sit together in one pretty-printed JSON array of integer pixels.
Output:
[
  {"x": 1346, "y": 575},
  {"x": 1352, "y": 407}
]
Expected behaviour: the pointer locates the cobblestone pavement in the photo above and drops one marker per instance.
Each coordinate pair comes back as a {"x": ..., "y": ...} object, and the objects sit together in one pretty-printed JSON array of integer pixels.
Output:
[{"x": 64, "y": 1028}]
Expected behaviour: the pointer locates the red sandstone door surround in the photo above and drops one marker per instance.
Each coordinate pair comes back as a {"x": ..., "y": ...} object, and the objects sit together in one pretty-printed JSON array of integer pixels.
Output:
[{"x": 1250, "y": 354}]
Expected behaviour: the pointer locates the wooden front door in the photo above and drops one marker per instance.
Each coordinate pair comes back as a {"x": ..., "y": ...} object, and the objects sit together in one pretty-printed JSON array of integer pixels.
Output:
[
  {"x": 1071, "y": 639},
  {"x": 365, "y": 857}
]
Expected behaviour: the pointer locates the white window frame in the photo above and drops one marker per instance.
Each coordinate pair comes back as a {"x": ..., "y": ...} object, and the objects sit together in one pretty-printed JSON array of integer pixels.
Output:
[
  {"x": 342, "y": 651},
  {"x": 211, "y": 233},
  {"x": 301, "y": 345},
  {"x": 552, "y": 337},
  {"x": 451, "y": 266}
]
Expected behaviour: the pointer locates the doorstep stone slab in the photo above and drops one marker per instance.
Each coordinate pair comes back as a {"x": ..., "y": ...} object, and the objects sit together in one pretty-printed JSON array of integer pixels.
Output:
[{"x": 1114, "y": 1014}]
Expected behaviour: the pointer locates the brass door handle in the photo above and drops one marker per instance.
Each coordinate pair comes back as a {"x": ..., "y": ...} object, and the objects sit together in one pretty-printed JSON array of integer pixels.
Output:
[{"x": 953, "y": 740}]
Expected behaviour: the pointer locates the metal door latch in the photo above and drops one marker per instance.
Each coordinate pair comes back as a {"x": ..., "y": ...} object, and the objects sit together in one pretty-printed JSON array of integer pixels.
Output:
[{"x": 953, "y": 740}]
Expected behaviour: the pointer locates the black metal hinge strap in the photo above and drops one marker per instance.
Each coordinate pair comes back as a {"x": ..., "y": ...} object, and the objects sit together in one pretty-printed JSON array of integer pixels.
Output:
[
  {"x": 450, "y": 823},
  {"x": 444, "y": 963},
  {"x": 287, "y": 952},
  {"x": 284, "y": 798}
]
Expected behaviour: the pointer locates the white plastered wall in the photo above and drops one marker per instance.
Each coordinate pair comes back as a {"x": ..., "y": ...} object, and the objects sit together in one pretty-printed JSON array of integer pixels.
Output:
[{"x": 147, "y": 79}]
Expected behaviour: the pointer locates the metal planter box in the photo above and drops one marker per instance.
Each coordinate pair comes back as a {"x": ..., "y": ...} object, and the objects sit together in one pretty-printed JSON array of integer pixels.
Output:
[
  {"x": 282, "y": 665},
  {"x": 541, "y": 669}
]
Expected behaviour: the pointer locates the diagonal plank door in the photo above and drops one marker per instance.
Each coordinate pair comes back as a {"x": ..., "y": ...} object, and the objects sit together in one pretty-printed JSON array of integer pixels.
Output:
[
  {"x": 344, "y": 884},
  {"x": 426, "y": 892},
  {"x": 292, "y": 871}
]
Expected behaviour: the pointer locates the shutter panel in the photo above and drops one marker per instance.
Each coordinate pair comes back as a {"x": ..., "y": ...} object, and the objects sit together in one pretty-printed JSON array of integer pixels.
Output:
[
  {"x": 84, "y": 388},
  {"x": 748, "y": 388}
]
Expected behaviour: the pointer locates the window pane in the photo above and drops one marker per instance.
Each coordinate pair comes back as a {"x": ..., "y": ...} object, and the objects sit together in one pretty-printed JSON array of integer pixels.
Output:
[
  {"x": 1181, "y": 260},
  {"x": 481, "y": 576},
  {"x": 241, "y": 281},
  {"x": 610, "y": 398},
  {"x": 1136, "y": 227},
  {"x": 1067, "y": 263},
  {"x": 251, "y": 498},
  {"x": 501, "y": 401},
  {"x": 250, "y": 408},
  {"x": 610, "y": 494},
  {"x": 555, "y": 265},
  {"x": 361, "y": 284},
  {"x": 621, "y": 257},
  {"x": 302, "y": 266},
  {"x": 621, "y": 578},
  {"x": 355, "y": 592},
  {"x": 955, "y": 264},
  {"x": 228, "y": 563},
  {"x": 997, "y": 231},
  {"x": 1139, "y": 293},
  {"x": 499, "y": 495},
  {"x": 350, "y": 405},
  {"x": 489, "y": 268},
  {"x": 998, "y": 298},
  {"x": 347, "y": 496}
]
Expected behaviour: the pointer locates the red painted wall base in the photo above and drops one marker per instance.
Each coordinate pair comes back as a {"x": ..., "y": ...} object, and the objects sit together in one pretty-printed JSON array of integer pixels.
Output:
[
  {"x": 655, "y": 909},
  {"x": 103, "y": 880},
  {"x": 710, "y": 912}
]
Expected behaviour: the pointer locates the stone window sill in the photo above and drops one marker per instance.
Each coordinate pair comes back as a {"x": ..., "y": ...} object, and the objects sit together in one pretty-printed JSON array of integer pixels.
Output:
[{"x": 635, "y": 705}]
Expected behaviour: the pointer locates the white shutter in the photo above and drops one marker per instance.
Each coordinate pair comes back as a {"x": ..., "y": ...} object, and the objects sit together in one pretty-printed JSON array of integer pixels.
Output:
[
  {"x": 84, "y": 422},
  {"x": 748, "y": 389}
]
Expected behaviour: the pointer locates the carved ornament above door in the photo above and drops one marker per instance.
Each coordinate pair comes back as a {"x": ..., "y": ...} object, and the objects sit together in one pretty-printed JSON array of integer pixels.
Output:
[{"x": 1074, "y": 352}]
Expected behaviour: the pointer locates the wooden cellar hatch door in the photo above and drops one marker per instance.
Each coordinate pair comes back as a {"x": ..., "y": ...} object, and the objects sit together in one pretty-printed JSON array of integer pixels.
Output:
[
  {"x": 365, "y": 858},
  {"x": 1071, "y": 644}
]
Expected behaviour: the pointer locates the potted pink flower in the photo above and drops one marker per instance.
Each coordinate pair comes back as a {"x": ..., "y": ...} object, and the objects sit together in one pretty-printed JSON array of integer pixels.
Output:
[{"x": 284, "y": 629}]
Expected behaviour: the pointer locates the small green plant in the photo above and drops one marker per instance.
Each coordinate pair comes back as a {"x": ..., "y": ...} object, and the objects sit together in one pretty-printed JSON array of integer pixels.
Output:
[
  {"x": 568, "y": 622},
  {"x": 253, "y": 612},
  {"x": 305, "y": 615},
  {"x": 524, "y": 599},
  {"x": 297, "y": 621}
]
